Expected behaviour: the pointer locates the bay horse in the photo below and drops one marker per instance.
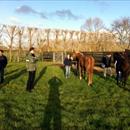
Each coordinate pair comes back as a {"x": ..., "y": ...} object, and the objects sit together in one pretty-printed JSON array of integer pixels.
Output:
[
  {"x": 85, "y": 65},
  {"x": 123, "y": 66}
]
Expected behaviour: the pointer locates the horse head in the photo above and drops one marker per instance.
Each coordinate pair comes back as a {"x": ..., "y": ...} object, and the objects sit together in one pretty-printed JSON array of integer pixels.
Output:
[{"x": 76, "y": 55}]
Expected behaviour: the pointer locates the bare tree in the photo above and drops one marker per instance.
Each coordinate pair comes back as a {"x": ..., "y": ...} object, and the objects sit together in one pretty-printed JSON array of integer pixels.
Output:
[
  {"x": 31, "y": 32},
  {"x": 20, "y": 34},
  {"x": 47, "y": 31},
  {"x": 93, "y": 27},
  {"x": 71, "y": 39},
  {"x": 64, "y": 36},
  {"x": 78, "y": 36},
  {"x": 120, "y": 28},
  {"x": 1, "y": 30},
  {"x": 57, "y": 33},
  {"x": 11, "y": 33}
]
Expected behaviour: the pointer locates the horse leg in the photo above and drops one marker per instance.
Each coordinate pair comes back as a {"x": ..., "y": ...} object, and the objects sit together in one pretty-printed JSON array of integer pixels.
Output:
[
  {"x": 84, "y": 73},
  {"x": 80, "y": 73},
  {"x": 91, "y": 71},
  {"x": 89, "y": 79},
  {"x": 117, "y": 78},
  {"x": 78, "y": 69},
  {"x": 125, "y": 77}
]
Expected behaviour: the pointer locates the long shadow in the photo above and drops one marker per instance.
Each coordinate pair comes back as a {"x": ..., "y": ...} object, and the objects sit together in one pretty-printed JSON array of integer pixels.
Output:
[
  {"x": 124, "y": 88},
  {"x": 42, "y": 72},
  {"x": 10, "y": 72},
  {"x": 14, "y": 76},
  {"x": 52, "y": 115}
]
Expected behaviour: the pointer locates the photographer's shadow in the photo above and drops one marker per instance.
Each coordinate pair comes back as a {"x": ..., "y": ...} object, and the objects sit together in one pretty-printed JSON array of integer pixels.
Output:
[{"x": 52, "y": 114}]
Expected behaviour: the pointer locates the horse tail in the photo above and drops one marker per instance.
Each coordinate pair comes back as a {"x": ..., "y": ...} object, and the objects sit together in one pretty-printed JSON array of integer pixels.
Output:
[
  {"x": 90, "y": 68},
  {"x": 91, "y": 63}
]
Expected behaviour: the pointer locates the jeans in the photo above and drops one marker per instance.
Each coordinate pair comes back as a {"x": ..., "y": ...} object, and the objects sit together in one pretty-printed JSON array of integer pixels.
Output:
[
  {"x": 67, "y": 71},
  {"x": 107, "y": 70},
  {"x": 2, "y": 75},
  {"x": 30, "y": 82}
]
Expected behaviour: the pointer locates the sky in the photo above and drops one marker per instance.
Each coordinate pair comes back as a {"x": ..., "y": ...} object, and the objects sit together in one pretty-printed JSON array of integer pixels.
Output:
[{"x": 61, "y": 14}]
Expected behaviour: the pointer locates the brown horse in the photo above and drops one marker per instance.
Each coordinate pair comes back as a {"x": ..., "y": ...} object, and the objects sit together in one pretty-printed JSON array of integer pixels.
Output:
[
  {"x": 85, "y": 64},
  {"x": 122, "y": 66}
]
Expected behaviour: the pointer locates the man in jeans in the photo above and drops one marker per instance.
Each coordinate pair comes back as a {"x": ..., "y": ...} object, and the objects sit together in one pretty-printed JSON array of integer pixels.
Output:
[{"x": 67, "y": 64}]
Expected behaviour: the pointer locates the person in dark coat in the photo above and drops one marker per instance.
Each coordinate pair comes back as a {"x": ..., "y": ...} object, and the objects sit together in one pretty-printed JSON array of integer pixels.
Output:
[
  {"x": 118, "y": 66},
  {"x": 3, "y": 63},
  {"x": 67, "y": 64},
  {"x": 31, "y": 68},
  {"x": 106, "y": 64}
]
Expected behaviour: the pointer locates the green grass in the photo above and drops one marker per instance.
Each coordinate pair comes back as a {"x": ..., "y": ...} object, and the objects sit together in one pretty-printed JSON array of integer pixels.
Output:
[{"x": 59, "y": 103}]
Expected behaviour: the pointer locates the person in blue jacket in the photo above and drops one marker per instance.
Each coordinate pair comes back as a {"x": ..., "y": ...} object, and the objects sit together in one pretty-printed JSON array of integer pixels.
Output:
[{"x": 67, "y": 64}]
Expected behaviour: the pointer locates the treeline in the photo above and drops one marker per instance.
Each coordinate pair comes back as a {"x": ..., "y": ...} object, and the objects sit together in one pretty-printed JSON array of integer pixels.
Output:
[{"x": 93, "y": 36}]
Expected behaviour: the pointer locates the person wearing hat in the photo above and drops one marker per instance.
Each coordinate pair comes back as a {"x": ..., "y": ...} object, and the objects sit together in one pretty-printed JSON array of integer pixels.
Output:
[
  {"x": 3, "y": 63},
  {"x": 31, "y": 68}
]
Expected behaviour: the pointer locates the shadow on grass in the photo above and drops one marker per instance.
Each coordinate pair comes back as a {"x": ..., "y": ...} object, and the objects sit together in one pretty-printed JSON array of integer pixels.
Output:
[
  {"x": 12, "y": 71},
  {"x": 52, "y": 115},
  {"x": 13, "y": 76},
  {"x": 42, "y": 72},
  {"x": 125, "y": 88}
]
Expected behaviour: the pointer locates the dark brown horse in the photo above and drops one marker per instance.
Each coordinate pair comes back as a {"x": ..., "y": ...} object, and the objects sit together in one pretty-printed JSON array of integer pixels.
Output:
[
  {"x": 123, "y": 66},
  {"x": 85, "y": 64}
]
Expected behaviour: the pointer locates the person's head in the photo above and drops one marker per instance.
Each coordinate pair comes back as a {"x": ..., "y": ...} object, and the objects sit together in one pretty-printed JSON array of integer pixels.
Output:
[
  {"x": 109, "y": 54},
  {"x": 1, "y": 52},
  {"x": 68, "y": 56},
  {"x": 31, "y": 50}
]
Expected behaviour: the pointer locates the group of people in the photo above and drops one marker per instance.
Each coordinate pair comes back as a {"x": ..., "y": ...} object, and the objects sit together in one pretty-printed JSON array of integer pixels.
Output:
[
  {"x": 31, "y": 66},
  {"x": 106, "y": 65}
]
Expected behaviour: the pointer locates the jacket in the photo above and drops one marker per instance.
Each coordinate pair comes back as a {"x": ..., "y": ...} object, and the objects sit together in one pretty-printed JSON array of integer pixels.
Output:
[
  {"x": 3, "y": 62},
  {"x": 106, "y": 61},
  {"x": 31, "y": 62},
  {"x": 67, "y": 62}
]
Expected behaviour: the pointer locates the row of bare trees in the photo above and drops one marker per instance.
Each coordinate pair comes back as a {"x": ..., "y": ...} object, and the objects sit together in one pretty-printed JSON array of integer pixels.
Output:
[{"x": 93, "y": 32}]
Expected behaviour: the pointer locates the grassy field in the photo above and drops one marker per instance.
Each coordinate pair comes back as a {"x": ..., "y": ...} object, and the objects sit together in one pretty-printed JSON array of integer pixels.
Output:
[{"x": 57, "y": 103}]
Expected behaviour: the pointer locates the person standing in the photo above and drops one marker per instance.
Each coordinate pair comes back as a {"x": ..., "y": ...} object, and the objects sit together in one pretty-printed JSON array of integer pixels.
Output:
[
  {"x": 67, "y": 64},
  {"x": 3, "y": 63},
  {"x": 106, "y": 63},
  {"x": 31, "y": 68},
  {"x": 118, "y": 66}
]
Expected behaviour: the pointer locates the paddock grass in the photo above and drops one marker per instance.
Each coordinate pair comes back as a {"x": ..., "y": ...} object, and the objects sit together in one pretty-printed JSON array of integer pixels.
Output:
[{"x": 57, "y": 103}]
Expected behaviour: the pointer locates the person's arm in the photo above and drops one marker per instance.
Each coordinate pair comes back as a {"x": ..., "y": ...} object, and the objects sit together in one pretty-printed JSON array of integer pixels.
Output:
[
  {"x": 64, "y": 61},
  {"x": 115, "y": 63},
  {"x": 5, "y": 61}
]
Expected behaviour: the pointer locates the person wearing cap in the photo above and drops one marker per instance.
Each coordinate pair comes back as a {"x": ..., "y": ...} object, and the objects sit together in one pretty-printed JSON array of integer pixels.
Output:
[
  {"x": 3, "y": 63},
  {"x": 31, "y": 68}
]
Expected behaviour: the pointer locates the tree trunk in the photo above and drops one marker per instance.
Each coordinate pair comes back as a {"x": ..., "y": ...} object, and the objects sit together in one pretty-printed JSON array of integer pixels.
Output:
[
  {"x": 10, "y": 50},
  {"x": 62, "y": 54},
  {"x": 10, "y": 54}
]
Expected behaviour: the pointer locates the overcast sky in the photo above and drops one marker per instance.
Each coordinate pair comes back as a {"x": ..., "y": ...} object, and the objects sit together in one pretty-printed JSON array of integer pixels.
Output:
[{"x": 65, "y": 14}]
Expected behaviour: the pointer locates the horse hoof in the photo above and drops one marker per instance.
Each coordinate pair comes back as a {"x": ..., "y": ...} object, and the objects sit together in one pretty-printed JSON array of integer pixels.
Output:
[{"x": 90, "y": 85}]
